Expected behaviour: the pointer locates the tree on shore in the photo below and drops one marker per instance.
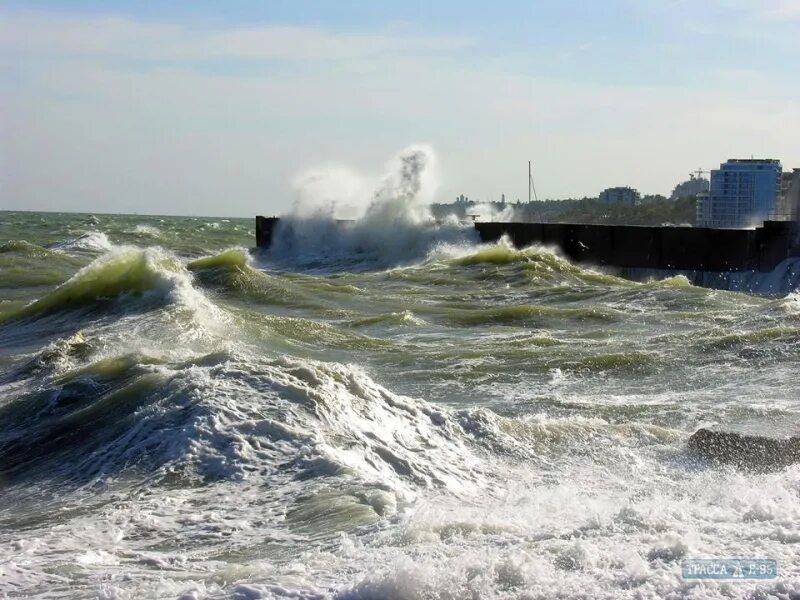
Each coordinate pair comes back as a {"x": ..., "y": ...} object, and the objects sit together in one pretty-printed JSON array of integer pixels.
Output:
[{"x": 651, "y": 210}]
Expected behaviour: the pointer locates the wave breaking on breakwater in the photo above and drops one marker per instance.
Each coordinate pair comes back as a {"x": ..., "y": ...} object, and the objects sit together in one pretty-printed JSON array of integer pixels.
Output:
[
  {"x": 784, "y": 279},
  {"x": 341, "y": 217}
]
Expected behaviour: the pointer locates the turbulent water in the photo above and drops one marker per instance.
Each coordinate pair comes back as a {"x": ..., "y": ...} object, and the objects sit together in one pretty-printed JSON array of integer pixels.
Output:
[{"x": 374, "y": 413}]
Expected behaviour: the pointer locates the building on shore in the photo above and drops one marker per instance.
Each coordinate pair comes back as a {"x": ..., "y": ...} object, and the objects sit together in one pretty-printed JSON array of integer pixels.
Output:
[
  {"x": 788, "y": 207},
  {"x": 744, "y": 192},
  {"x": 620, "y": 195},
  {"x": 694, "y": 186}
]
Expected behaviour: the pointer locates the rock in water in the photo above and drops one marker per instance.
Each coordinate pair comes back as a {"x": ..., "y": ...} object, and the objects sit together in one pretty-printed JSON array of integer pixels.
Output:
[{"x": 751, "y": 452}]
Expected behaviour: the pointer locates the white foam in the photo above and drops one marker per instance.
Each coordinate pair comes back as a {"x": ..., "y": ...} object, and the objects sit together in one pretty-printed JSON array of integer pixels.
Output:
[
  {"x": 93, "y": 241},
  {"x": 783, "y": 280},
  {"x": 143, "y": 229},
  {"x": 390, "y": 222},
  {"x": 280, "y": 477},
  {"x": 460, "y": 507}
]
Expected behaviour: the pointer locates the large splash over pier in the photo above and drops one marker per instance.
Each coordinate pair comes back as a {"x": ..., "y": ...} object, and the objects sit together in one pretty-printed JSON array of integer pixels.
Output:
[{"x": 338, "y": 215}]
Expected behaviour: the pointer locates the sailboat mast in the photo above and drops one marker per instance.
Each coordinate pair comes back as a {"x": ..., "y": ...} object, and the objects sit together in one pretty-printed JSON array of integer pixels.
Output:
[{"x": 531, "y": 185}]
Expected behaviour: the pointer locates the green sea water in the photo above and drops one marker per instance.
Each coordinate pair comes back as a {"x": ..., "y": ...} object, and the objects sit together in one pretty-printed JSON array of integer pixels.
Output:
[{"x": 388, "y": 412}]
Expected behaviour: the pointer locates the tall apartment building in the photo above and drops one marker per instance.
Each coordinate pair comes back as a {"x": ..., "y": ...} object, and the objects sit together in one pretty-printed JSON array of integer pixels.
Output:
[
  {"x": 788, "y": 207},
  {"x": 744, "y": 192}
]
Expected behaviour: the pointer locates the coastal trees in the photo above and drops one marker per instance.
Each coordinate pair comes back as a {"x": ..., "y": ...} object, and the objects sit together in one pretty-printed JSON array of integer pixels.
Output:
[{"x": 652, "y": 210}]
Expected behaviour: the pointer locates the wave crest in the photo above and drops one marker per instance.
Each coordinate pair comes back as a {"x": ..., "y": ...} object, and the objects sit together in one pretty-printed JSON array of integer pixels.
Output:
[
  {"x": 235, "y": 258},
  {"x": 91, "y": 242},
  {"x": 25, "y": 248},
  {"x": 225, "y": 416},
  {"x": 121, "y": 272}
]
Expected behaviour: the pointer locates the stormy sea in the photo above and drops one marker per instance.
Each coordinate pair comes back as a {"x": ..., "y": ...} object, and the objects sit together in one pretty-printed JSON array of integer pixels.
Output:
[{"x": 383, "y": 409}]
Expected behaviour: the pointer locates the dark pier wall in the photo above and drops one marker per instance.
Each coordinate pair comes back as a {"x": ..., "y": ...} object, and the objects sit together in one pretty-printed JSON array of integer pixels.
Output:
[
  {"x": 668, "y": 248},
  {"x": 265, "y": 226},
  {"x": 628, "y": 246}
]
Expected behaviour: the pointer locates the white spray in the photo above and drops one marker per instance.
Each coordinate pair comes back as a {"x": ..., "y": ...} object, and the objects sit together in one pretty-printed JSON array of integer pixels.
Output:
[
  {"x": 486, "y": 211},
  {"x": 388, "y": 219}
]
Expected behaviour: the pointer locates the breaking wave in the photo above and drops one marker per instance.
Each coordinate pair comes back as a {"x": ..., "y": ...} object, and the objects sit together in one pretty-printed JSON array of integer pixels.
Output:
[
  {"x": 231, "y": 415},
  {"x": 150, "y": 274},
  {"x": 92, "y": 242},
  {"x": 540, "y": 263},
  {"x": 225, "y": 415},
  {"x": 235, "y": 258}
]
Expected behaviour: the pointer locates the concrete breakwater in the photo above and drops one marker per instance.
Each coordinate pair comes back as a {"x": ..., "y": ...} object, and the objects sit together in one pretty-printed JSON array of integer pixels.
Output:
[
  {"x": 719, "y": 258},
  {"x": 667, "y": 248}
]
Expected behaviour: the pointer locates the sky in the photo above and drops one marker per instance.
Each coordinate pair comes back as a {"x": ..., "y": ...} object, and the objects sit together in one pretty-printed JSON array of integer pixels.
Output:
[{"x": 215, "y": 108}]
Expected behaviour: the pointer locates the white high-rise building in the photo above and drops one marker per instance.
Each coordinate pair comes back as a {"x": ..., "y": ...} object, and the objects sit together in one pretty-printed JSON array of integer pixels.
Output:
[
  {"x": 743, "y": 193},
  {"x": 788, "y": 207}
]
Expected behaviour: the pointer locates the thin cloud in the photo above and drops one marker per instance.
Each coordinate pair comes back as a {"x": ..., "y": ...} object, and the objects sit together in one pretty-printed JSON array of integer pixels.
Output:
[
  {"x": 302, "y": 43},
  {"x": 783, "y": 9},
  {"x": 89, "y": 129},
  {"x": 579, "y": 49},
  {"x": 107, "y": 36}
]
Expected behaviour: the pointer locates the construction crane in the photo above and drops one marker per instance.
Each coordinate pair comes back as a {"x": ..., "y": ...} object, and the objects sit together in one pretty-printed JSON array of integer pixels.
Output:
[{"x": 699, "y": 173}]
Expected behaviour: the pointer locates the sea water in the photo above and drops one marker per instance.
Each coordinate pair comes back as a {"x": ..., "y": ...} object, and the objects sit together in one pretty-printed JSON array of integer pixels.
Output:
[{"x": 386, "y": 410}]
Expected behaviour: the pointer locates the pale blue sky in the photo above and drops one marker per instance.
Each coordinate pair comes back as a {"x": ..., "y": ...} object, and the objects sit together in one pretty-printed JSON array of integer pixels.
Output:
[{"x": 214, "y": 108}]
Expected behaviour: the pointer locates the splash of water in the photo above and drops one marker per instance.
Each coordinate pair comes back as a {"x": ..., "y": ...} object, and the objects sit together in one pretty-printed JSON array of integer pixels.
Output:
[
  {"x": 339, "y": 215},
  {"x": 486, "y": 211},
  {"x": 404, "y": 191}
]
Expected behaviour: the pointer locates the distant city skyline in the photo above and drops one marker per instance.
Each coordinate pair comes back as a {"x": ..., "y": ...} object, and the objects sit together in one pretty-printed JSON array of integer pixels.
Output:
[{"x": 213, "y": 109}]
